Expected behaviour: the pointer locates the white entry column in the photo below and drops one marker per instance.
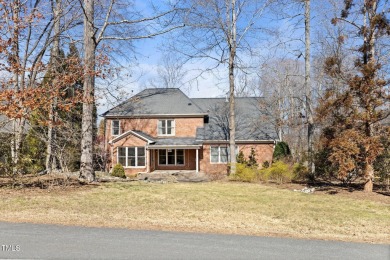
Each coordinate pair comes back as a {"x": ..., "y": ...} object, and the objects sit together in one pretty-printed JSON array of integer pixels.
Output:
[{"x": 197, "y": 160}]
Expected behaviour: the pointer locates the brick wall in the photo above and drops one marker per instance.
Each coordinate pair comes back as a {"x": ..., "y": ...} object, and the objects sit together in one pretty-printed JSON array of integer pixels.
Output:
[
  {"x": 264, "y": 153},
  {"x": 184, "y": 127},
  {"x": 208, "y": 167}
]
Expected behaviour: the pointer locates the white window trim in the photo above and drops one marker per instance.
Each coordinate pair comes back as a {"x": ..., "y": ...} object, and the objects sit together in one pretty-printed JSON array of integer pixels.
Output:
[
  {"x": 166, "y": 127},
  {"x": 166, "y": 157},
  {"x": 112, "y": 127},
  {"x": 219, "y": 153},
  {"x": 127, "y": 157}
]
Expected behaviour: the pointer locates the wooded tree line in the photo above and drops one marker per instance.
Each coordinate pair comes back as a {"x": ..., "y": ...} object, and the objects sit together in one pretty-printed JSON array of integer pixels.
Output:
[{"x": 331, "y": 106}]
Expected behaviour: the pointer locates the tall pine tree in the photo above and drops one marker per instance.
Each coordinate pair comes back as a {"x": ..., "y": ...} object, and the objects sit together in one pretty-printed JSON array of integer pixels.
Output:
[{"x": 353, "y": 113}]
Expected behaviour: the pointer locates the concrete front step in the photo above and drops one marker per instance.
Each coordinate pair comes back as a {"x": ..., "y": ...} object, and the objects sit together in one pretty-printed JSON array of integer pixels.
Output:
[{"x": 174, "y": 176}]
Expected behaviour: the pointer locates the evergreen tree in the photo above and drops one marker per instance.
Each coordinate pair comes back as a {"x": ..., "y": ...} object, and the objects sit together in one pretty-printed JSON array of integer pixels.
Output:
[
  {"x": 241, "y": 158},
  {"x": 252, "y": 162},
  {"x": 66, "y": 123},
  {"x": 352, "y": 112},
  {"x": 282, "y": 150}
]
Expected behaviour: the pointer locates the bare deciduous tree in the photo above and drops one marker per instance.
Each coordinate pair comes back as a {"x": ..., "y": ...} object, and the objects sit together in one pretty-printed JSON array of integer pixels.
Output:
[
  {"x": 170, "y": 72},
  {"x": 117, "y": 23},
  {"x": 219, "y": 31}
]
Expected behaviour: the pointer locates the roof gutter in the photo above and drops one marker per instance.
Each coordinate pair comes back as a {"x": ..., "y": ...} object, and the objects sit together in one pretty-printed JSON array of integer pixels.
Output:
[
  {"x": 153, "y": 116},
  {"x": 159, "y": 147},
  {"x": 240, "y": 141}
]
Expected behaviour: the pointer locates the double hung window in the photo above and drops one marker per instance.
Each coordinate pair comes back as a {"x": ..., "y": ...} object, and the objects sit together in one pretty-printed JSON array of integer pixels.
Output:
[
  {"x": 220, "y": 153},
  {"x": 115, "y": 127},
  {"x": 166, "y": 127}
]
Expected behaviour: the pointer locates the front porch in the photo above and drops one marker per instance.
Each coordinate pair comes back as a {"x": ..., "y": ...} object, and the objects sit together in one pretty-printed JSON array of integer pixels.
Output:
[{"x": 173, "y": 158}]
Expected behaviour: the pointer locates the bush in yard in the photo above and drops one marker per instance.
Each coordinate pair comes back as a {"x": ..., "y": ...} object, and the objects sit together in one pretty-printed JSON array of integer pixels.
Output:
[
  {"x": 252, "y": 162},
  {"x": 240, "y": 158},
  {"x": 301, "y": 172},
  {"x": 245, "y": 173},
  {"x": 282, "y": 150},
  {"x": 265, "y": 165},
  {"x": 118, "y": 171},
  {"x": 279, "y": 172},
  {"x": 324, "y": 168},
  {"x": 382, "y": 162}
]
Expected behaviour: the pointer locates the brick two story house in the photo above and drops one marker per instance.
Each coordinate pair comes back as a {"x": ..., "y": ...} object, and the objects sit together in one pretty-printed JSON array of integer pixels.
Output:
[{"x": 163, "y": 129}]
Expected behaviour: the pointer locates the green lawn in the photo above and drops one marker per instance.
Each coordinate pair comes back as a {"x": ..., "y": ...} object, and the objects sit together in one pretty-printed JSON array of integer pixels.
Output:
[{"x": 220, "y": 207}]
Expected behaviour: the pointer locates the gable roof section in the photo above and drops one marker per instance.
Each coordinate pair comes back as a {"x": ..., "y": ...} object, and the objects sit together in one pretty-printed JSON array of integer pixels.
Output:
[
  {"x": 138, "y": 134},
  {"x": 250, "y": 121},
  {"x": 156, "y": 101}
]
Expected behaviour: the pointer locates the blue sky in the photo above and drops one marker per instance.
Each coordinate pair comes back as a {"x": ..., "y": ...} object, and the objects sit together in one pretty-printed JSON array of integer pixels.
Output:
[{"x": 209, "y": 85}]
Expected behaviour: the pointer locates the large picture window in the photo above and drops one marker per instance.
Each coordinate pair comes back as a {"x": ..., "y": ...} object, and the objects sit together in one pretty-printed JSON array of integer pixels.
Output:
[
  {"x": 131, "y": 156},
  {"x": 166, "y": 127},
  {"x": 171, "y": 157},
  {"x": 220, "y": 153},
  {"x": 115, "y": 127}
]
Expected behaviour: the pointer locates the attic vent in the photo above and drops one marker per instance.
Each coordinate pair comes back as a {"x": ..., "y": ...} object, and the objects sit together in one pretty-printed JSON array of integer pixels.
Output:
[{"x": 189, "y": 104}]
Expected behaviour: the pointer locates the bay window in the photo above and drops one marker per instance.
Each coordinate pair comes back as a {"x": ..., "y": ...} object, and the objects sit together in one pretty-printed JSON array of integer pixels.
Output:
[{"x": 132, "y": 156}]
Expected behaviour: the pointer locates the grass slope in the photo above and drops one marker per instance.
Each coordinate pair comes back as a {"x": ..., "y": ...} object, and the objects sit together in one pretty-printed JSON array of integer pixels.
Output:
[{"x": 220, "y": 207}]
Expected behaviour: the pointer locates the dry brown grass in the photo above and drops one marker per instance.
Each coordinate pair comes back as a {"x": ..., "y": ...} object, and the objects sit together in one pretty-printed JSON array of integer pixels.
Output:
[{"x": 220, "y": 207}]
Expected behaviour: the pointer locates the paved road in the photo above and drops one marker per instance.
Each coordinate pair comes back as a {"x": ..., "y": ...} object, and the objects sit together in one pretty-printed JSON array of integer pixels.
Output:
[{"x": 61, "y": 242}]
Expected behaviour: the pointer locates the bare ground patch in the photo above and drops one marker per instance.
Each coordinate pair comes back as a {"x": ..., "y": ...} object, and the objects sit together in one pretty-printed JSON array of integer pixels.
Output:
[{"x": 354, "y": 191}]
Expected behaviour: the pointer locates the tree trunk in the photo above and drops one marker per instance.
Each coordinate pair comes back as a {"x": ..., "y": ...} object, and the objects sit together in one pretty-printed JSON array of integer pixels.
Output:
[
  {"x": 308, "y": 92},
  {"x": 87, "y": 172},
  {"x": 16, "y": 144},
  {"x": 232, "y": 124},
  {"x": 232, "y": 117},
  {"x": 49, "y": 143},
  {"x": 369, "y": 57},
  {"x": 369, "y": 177},
  {"x": 280, "y": 112},
  {"x": 17, "y": 124},
  {"x": 54, "y": 67}
]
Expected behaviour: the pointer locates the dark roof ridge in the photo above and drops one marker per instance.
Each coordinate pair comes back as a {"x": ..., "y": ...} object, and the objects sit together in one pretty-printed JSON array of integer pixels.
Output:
[
  {"x": 225, "y": 97},
  {"x": 184, "y": 100},
  {"x": 176, "y": 89},
  {"x": 135, "y": 95}
]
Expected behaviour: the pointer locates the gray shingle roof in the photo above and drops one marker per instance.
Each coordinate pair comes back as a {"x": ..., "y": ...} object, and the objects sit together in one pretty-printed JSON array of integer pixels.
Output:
[
  {"x": 156, "y": 101},
  {"x": 176, "y": 141},
  {"x": 250, "y": 122},
  {"x": 5, "y": 124}
]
